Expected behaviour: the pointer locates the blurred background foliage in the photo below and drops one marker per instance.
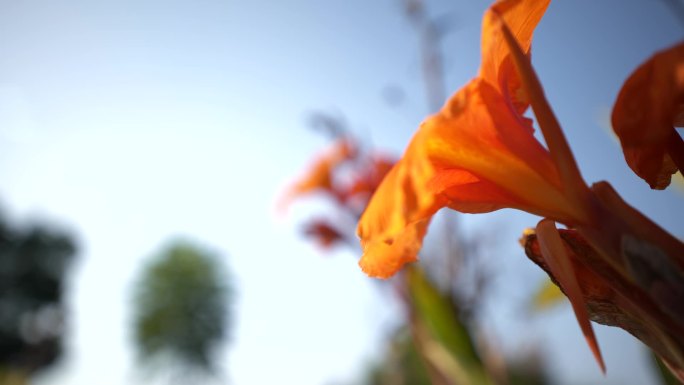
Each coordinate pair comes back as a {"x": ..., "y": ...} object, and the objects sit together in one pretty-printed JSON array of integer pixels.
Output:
[
  {"x": 401, "y": 364},
  {"x": 182, "y": 306},
  {"x": 35, "y": 262}
]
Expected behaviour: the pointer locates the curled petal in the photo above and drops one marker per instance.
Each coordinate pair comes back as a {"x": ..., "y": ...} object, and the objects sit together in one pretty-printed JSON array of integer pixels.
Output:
[
  {"x": 648, "y": 107},
  {"x": 383, "y": 258},
  {"x": 394, "y": 223},
  {"x": 522, "y": 18},
  {"x": 467, "y": 193}
]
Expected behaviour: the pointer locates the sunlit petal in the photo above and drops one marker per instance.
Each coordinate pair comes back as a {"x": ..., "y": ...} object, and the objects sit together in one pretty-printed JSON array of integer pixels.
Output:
[
  {"x": 319, "y": 175},
  {"x": 571, "y": 178},
  {"x": 477, "y": 154},
  {"x": 649, "y": 106},
  {"x": 522, "y": 18}
]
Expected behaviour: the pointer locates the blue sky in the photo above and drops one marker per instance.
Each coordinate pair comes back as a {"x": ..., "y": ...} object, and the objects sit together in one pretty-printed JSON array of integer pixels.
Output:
[{"x": 132, "y": 122}]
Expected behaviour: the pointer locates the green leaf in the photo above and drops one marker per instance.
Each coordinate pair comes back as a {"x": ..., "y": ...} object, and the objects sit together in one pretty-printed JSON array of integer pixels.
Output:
[
  {"x": 663, "y": 373},
  {"x": 447, "y": 345},
  {"x": 547, "y": 296}
]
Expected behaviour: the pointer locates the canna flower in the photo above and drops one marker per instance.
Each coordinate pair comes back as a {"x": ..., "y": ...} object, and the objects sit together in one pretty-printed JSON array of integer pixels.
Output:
[
  {"x": 648, "y": 107},
  {"x": 477, "y": 154},
  {"x": 348, "y": 176},
  {"x": 320, "y": 175}
]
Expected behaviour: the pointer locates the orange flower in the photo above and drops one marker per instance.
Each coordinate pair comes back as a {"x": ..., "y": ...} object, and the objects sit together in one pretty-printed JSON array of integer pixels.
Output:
[
  {"x": 478, "y": 154},
  {"x": 650, "y": 104},
  {"x": 320, "y": 175}
]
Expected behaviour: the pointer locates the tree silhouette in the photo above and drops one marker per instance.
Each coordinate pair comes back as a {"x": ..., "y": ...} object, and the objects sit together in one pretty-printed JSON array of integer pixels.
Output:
[
  {"x": 182, "y": 306},
  {"x": 34, "y": 263}
]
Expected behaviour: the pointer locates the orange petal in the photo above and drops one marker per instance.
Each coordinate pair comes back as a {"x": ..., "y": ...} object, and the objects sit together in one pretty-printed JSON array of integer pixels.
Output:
[
  {"x": 383, "y": 258},
  {"x": 559, "y": 263},
  {"x": 559, "y": 148},
  {"x": 467, "y": 193},
  {"x": 522, "y": 17},
  {"x": 394, "y": 223},
  {"x": 476, "y": 141},
  {"x": 319, "y": 175},
  {"x": 477, "y": 132},
  {"x": 647, "y": 108}
]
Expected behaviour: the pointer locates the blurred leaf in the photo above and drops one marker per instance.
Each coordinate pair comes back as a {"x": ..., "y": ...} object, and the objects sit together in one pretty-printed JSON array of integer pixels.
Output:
[
  {"x": 527, "y": 368},
  {"x": 13, "y": 377},
  {"x": 547, "y": 295},
  {"x": 664, "y": 375},
  {"x": 439, "y": 349},
  {"x": 448, "y": 345},
  {"x": 401, "y": 365},
  {"x": 678, "y": 181}
]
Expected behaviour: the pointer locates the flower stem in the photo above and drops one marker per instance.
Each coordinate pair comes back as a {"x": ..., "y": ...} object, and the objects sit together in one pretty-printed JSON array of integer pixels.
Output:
[{"x": 562, "y": 156}]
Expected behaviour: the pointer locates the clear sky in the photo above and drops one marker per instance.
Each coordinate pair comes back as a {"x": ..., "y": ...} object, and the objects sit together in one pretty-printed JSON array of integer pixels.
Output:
[{"x": 130, "y": 122}]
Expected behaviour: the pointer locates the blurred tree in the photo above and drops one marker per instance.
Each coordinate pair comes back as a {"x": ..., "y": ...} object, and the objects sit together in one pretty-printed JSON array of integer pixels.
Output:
[
  {"x": 33, "y": 271},
  {"x": 182, "y": 306}
]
